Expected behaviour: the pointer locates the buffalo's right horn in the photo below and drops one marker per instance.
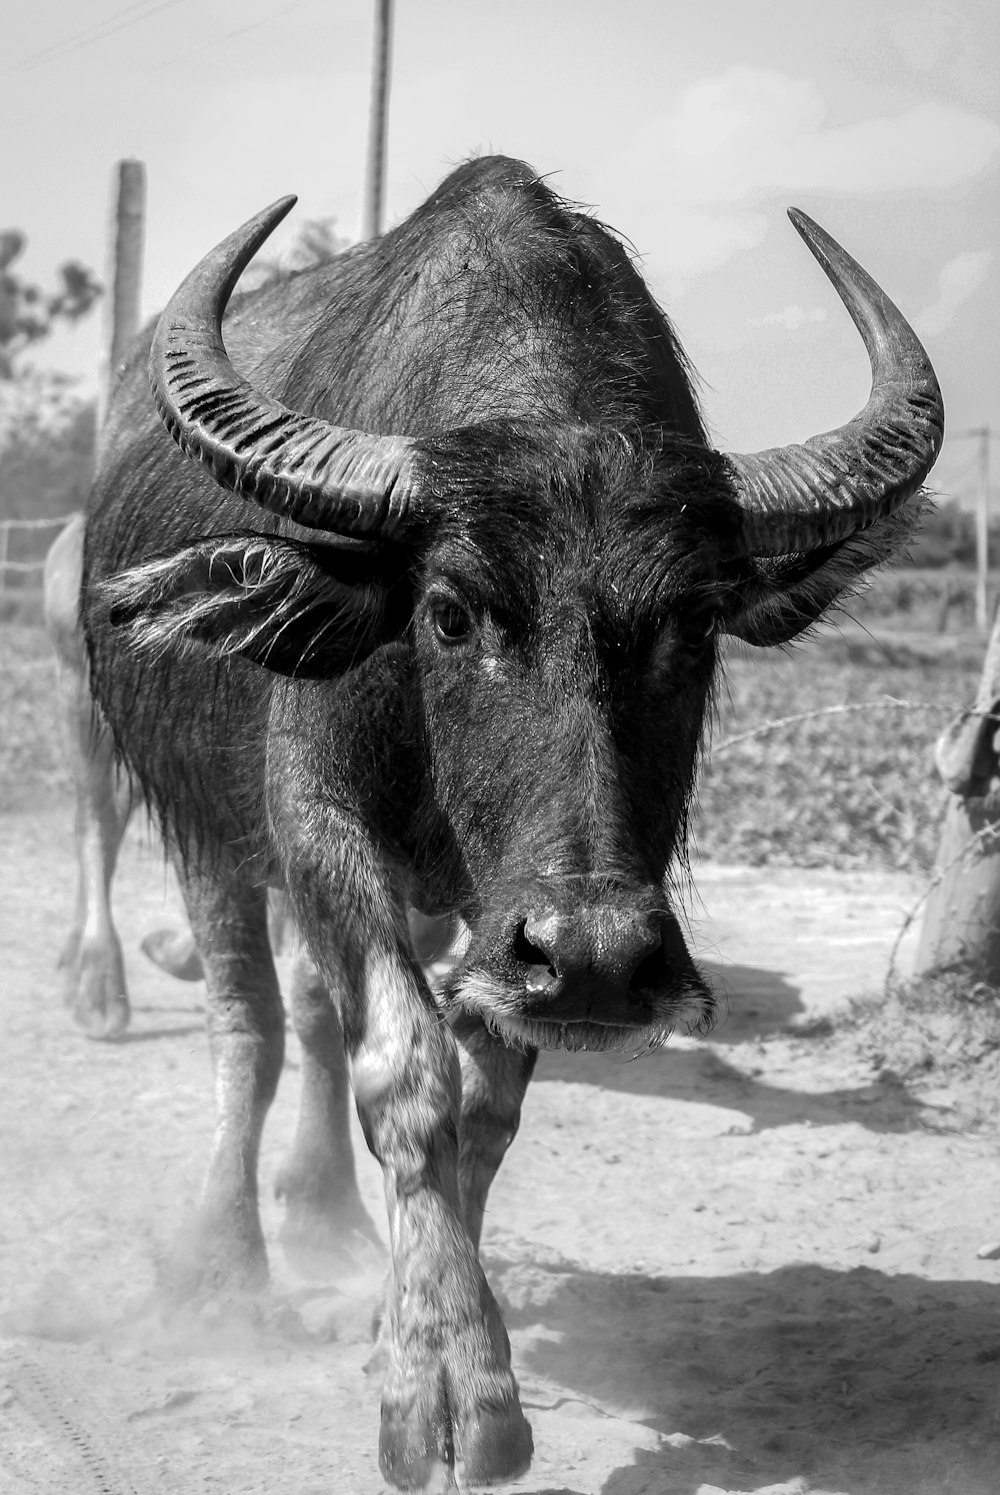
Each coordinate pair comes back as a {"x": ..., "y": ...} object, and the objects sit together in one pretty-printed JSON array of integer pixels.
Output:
[
  {"x": 800, "y": 498},
  {"x": 317, "y": 474}
]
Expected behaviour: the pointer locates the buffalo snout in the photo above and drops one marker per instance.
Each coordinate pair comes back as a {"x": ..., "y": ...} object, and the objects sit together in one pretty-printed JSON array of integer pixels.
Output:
[
  {"x": 564, "y": 964},
  {"x": 589, "y": 963}
]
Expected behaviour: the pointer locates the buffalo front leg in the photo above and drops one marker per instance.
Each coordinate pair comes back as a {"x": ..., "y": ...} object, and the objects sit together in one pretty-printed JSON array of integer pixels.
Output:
[
  {"x": 494, "y": 1079},
  {"x": 324, "y": 1214},
  {"x": 450, "y": 1396},
  {"x": 224, "y": 1256}
]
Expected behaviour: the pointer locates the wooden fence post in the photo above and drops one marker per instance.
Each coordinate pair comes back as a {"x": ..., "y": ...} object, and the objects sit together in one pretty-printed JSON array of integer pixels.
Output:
[
  {"x": 961, "y": 926},
  {"x": 124, "y": 271}
]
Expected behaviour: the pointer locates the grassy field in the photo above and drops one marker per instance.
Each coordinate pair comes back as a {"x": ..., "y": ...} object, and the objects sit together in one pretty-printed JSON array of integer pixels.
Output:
[
  {"x": 841, "y": 789},
  {"x": 33, "y": 768}
]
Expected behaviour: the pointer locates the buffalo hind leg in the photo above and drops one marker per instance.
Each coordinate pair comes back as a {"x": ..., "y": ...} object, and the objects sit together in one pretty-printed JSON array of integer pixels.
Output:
[
  {"x": 494, "y": 1079},
  {"x": 223, "y": 1256},
  {"x": 92, "y": 960},
  {"x": 324, "y": 1214}
]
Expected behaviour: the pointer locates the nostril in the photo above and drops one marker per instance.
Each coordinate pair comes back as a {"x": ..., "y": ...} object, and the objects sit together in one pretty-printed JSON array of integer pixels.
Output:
[
  {"x": 529, "y": 954},
  {"x": 651, "y": 970}
]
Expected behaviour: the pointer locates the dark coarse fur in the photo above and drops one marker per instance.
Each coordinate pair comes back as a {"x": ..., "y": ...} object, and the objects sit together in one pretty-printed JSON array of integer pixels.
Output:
[{"x": 494, "y": 307}]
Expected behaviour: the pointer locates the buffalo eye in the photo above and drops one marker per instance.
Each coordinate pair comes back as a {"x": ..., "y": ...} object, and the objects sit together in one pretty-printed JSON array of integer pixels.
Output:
[
  {"x": 697, "y": 627},
  {"x": 452, "y": 623}
]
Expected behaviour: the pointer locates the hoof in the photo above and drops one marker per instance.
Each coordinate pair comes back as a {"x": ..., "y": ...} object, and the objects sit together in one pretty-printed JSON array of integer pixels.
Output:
[
  {"x": 484, "y": 1445},
  {"x": 106, "y": 1024},
  {"x": 96, "y": 992},
  {"x": 323, "y": 1255},
  {"x": 328, "y": 1233},
  {"x": 218, "y": 1258},
  {"x": 493, "y": 1445},
  {"x": 174, "y": 952},
  {"x": 228, "y": 1318}
]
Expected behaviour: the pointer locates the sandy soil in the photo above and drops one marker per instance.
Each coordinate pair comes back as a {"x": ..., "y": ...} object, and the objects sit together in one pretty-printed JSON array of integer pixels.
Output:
[{"x": 748, "y": 1264}]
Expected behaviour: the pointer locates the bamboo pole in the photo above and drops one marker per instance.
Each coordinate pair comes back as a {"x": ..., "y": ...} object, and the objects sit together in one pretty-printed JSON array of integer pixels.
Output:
[
  {"x": 983, "y": 532},
  {"x": 124, "y": 274}
]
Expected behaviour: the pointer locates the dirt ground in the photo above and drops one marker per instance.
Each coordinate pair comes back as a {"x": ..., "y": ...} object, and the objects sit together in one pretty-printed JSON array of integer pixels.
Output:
[{"x": 744, "y": 1264}]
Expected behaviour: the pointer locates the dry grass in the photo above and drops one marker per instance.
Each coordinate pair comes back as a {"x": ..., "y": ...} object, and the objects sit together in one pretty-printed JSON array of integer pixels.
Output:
[
  {"x": 33, "y": 764},
  {"x": 939, "y": 1035},
  {"x": 836, "y": 790}
]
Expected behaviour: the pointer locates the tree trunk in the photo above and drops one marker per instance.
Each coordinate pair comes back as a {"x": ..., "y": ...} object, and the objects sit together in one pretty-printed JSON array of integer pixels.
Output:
[{"x": 961, "y": 925}]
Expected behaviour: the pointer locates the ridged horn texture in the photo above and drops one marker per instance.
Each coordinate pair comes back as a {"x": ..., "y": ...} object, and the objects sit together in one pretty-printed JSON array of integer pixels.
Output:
[
  {"x": 321, "y": 475},
  {"x": 799, "y": 498}
]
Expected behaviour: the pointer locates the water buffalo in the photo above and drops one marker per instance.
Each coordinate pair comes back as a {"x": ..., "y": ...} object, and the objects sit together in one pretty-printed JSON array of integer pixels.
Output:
[{"x": 448, "y": 641}]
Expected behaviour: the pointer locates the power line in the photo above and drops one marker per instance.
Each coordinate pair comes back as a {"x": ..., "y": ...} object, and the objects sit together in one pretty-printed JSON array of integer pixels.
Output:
[
  {"x": 119, "y": 20},
  {"x": 85, "y": 34},
  {"x": 213, "y": 41}
]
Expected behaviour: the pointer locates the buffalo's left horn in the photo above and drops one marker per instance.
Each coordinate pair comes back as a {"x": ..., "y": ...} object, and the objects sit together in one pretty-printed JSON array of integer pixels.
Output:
[
  {"x": 318, "y": 474},
  {"x": 797, "y": 498}
]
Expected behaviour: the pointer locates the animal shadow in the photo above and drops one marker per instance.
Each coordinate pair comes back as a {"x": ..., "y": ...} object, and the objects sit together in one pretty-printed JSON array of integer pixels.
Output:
[
  {"x": 755, "y": 1003},
  {"x": 860, "y": 1381}
]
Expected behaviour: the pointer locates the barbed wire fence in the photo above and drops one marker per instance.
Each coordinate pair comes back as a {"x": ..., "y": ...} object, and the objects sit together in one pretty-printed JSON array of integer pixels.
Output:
[{"x": 17, "y": 526}]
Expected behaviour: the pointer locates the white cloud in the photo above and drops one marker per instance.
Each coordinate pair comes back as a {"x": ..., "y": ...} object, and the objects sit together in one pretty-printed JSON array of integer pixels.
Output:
[
  {"x": 791, "y": 318},
  {"x": 753, "y": 132},
  {"x": 750, "y": 134},
  {"x": 959, "y": 279},
  {"x": 700, "y": 240}
]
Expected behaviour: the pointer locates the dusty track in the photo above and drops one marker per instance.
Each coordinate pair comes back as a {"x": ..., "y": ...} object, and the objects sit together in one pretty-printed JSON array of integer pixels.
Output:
[{"x": 744, "y": 1265}]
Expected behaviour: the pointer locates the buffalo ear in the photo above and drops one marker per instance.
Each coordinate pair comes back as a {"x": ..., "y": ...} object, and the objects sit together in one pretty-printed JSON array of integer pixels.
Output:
[
  {"x": 310, "y": 611},
  {"x": 784, "y": 597}
]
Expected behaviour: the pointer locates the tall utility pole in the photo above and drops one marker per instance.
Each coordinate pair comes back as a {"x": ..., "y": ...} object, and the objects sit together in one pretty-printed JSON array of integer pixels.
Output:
[
  {"x": 124, "y": 273},
  {"x": 371, "y": 222}
]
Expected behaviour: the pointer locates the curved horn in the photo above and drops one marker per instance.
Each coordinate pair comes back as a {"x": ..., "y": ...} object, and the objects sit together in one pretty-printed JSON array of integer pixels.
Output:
[
  {"x": 804, "y": 497},
  {"x": 299, "y": 466}
]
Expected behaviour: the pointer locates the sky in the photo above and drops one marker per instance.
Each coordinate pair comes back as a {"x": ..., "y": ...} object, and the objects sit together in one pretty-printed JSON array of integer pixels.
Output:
[{"x": 689, "y": 129}]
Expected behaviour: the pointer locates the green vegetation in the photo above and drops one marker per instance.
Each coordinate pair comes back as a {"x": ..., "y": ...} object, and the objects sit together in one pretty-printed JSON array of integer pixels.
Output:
[
  {"x": 46, "y": 430},
  {"x": 46, "y": 447},
  {"x": 27, "y": 313}
]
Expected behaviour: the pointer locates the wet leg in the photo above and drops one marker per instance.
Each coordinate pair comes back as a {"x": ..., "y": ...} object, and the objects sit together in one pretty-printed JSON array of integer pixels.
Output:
[
  {"x": 449, "y": 1397},
  {"x": 224, "y": 1254},
  {"x": 324, "y": 1214}
]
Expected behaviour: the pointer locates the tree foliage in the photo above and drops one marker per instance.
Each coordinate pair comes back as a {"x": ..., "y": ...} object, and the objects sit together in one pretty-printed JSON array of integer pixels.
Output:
[
  {"x": 27, "y": 312},
  {"x": 315, "y": 242}
]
